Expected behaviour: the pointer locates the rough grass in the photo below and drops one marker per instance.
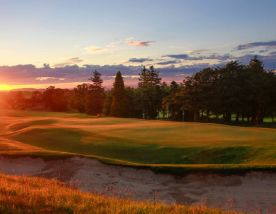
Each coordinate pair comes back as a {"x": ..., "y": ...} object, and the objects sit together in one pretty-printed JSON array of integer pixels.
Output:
[
  {"x": 19, "y": 194},
  {"x": 140, "y": 142}
]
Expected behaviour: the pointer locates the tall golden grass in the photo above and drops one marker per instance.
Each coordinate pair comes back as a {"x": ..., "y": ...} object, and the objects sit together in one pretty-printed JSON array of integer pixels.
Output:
[{"x": 22, "y": 194}]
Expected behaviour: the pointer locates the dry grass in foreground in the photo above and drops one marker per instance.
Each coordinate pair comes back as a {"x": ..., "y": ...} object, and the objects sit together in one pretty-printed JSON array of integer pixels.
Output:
[{"x": 21, "y": 194}]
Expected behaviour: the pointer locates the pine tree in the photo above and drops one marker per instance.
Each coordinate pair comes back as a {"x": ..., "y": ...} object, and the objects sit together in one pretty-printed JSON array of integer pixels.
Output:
[
  {"x": 150, "y": 84},
  {"x": 118, "y": 106},
  {"x": 95, "y": 97}
]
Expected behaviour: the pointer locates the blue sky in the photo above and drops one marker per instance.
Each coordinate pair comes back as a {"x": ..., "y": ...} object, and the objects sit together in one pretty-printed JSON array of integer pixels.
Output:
[{"x": 124, "y": 32}]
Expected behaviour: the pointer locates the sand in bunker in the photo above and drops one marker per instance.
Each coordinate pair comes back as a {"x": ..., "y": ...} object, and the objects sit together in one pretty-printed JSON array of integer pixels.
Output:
[{"x": 253, "y": 192}]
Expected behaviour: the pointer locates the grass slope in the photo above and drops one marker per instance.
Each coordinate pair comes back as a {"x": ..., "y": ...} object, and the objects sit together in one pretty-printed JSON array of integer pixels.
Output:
[
  {"x": 140, "y": 142},
  {"x": 19, "y": 194}
]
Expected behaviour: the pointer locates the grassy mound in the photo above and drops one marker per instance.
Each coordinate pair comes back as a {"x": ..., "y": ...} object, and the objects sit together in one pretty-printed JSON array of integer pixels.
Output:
[
  {"x": 141, "y": 142},
  {"x": 19, "y": 194},
  {"x": 71, "y": 140},
  {"x": 18, "y": 126}
]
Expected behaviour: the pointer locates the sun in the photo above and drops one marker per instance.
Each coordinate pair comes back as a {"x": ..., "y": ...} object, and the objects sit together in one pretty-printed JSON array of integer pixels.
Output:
[{"x": 4, "y": 87}]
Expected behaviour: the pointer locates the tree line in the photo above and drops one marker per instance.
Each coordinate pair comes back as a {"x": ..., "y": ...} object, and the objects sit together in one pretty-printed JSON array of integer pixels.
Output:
[{"x": 231, "y": 93}]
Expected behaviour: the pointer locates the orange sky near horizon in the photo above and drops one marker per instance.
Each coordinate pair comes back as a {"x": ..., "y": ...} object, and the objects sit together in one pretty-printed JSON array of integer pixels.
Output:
[
  {"x": 68, "y": 85},
  {"x": 7, "y": 87}
]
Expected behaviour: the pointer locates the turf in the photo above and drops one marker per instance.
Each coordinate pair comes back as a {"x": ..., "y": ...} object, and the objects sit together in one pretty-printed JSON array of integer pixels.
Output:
[{"x": 141, "y": 142}]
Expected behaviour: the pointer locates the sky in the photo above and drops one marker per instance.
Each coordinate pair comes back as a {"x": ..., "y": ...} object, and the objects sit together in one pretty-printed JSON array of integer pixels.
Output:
[{"x": 60, "y": 42}]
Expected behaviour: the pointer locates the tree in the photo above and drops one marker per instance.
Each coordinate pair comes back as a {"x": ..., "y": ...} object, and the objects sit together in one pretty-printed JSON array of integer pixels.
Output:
[
  {"x": 168, "y": 104},
  {"x": 150, "y": 83},
  {"x": 107, "y": 103},
  {"x": 133, "y": 104},
  {"x": 80, "y": 94},
  {"x": 95, "y": 96},
  {"x": 229, "y": 88},
  {"x": 118, "y": 106},
  {"x": 259, "y": 83},
  {"x": 55, "y": 99},
  {"x": 16, "y": 100},
  {"x": 35, "y": 102}
]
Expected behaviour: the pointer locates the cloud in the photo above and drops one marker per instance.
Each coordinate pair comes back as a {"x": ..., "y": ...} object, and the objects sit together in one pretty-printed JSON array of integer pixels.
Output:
[
  {"x": 140, "y": 43},
  {"x": 126, "y": 76},
  {"x": 131, "y": 76},
  {"x": 220, "y": 57},
  {"x": 173, "y": 66},
  {"x": 170, "y": 62},
  {"x": 94, "y": 49},
  {"x": 198, "y": 51},
  {"x": 71, "y": 61},
  {"x": 74, "y": 60},
  {"x": 140, "y": 60},
  {"x": 49, "y": 78},
  {"x": 178, "y": 56},
  {"x": 256, "y": 44},
  {"x": 30, "y": 74},
  {"x": 74, "y": 74},
  {"x": 201, "y": 57},
  {"x": 262, "y": 51},
  {"x": 272, "y": 53},
  {"x": 108, "y": 48}
]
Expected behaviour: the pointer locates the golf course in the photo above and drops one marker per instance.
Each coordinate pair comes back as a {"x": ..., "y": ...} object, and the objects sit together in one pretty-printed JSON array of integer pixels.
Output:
[{"x": 137, "y": 142}]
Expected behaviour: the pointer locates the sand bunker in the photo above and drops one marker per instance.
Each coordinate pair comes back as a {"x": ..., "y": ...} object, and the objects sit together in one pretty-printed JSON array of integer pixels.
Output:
[{"x": 253, "y": 192}]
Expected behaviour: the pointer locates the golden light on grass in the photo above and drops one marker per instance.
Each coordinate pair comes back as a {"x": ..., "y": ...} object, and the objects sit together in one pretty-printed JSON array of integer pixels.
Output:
[{"x": 20, "y": 194}]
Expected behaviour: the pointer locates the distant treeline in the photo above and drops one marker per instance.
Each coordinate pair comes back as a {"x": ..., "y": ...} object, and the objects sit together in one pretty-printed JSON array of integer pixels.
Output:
[{"x": 234, "y": 92}]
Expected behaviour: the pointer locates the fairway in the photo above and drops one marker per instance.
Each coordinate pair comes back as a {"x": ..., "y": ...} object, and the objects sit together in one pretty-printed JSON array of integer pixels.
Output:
[{"x": 136, "y": 141}]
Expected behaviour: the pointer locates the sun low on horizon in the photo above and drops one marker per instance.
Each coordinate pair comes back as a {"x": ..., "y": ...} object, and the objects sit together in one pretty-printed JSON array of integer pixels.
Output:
[
  {"x": 142, "y": 106},
  {"x": 40, "y": 44},
  {"x": 4, "y": 87}
]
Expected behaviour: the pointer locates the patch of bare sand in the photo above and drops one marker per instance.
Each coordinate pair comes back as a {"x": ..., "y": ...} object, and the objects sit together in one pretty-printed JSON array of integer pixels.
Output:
[{"x": 253, "y": 192}]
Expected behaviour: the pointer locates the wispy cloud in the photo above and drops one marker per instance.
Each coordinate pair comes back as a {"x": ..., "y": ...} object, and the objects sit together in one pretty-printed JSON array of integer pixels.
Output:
[
  {"x": 178, "y": 56},
  {"x": 94, "y": 49},
  {"x": 140, "y": 60},
  {"x": 221, "y": 57},
  {"x": 71, "y": 61},
  {"x": 48, "y": 78},
  {"x": 139, "y": 43},
  {"x": 256, "y": 44},
  {"x": 169, "y": 62},
  {"x": 108, "y": 48},
  {"x": 198, "y": 51},
  {"x": 213, "y": 56}
]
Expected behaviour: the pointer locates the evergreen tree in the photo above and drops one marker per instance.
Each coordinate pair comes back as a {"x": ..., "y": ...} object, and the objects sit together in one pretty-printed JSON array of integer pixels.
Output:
[
  {"x": 150, "y": 85},
  {"x": 118, "y": 106},
  {"x": 258, "y": 78},
  {"x": 95, "y": 97}
]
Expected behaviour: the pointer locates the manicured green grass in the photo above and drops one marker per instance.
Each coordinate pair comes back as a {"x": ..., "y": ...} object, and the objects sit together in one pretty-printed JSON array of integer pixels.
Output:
[{"x": 141, "y": 142}]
